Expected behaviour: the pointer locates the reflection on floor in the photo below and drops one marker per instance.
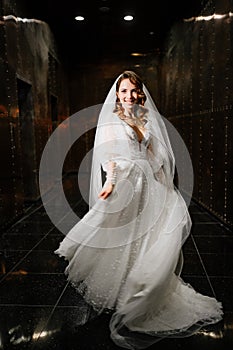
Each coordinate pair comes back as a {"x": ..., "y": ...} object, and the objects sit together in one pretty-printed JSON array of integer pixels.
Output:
[{"x": 40, "y": 310}]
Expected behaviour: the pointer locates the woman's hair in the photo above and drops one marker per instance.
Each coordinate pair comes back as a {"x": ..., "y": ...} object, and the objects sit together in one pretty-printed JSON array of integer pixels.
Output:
[{"x": 136, "y": 80}]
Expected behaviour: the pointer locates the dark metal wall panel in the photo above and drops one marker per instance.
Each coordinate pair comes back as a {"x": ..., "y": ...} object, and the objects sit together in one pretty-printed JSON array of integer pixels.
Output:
[
  {"x": 11, "y": 189},
  {"x": 33, "y": 101},
  {"x": 197, "y": 78},
  {"x": 206, "y": 192},
  {"x": 195, "y": 67},
  {"x": 219, "y": 166}
]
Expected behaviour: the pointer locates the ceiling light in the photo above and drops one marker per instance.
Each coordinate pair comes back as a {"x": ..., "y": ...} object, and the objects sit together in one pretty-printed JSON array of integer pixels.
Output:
[
  {"x": 79, "y": 18},
  {"x": 128, "y": 18},
  {"x": 138, "y": 54}
]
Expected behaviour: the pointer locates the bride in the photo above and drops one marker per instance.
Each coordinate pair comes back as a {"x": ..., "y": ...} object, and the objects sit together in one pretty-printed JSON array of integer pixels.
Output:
[{"x": 125, "y": 255}]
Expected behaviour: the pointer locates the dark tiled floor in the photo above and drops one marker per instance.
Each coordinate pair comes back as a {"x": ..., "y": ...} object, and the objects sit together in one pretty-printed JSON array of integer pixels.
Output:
[{"x": 40, "y": 310}]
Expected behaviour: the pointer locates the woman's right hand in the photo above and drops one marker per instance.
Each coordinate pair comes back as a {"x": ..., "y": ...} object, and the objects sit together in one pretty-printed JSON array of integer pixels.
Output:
[{"x": 106, "y": 191}]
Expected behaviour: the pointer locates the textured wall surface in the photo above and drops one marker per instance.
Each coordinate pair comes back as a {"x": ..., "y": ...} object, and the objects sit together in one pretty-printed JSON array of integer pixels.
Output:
[
  {"x": 33, "y": 99},
  {"x": 197, "y": 81}
]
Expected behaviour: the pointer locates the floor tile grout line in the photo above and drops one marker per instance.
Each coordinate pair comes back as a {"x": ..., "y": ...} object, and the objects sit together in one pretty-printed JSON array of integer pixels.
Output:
[
  {"x": 26, "y": 216},
  {"x": 29, "y": 252},
  {"x": 22, "y": 219},
  {"x": 29, "y": 214},
  {"x": 212, "y": 253},
  {"x": 44, "y": 273},
  {"x": 27, "y": 305},
  {"x": 51, "y": 306},
  {"x": 203, "y": 276},
  {"x": 24, "y": 257},
  {"x": 209, "y": 223},
  {"x": 51, "y": 313},
  {"x": 212, "y": 235},
  {"x": 208, "y": 279},
  {"x": 26, "y": 250}
]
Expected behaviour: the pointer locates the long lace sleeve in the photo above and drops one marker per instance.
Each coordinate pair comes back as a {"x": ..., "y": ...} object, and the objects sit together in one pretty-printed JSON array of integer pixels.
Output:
[
  {"x": 111, "y": 173},
  {"x": 111, "y": 145}
]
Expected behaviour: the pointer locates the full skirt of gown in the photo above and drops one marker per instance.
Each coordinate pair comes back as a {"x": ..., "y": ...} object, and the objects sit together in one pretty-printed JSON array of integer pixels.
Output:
[{"x": 125, "y": 256}]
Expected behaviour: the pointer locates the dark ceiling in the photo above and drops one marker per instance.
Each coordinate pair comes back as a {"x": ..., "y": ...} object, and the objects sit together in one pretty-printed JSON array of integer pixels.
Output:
[{"x": 104, "y": 32}]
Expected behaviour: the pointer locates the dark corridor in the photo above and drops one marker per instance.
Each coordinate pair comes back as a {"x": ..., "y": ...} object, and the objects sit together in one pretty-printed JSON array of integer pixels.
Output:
[{"x": 51, "y": 68}]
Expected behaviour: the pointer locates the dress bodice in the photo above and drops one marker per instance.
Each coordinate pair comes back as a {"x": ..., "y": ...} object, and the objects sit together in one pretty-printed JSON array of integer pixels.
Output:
[{"x": 138, "y": 148}]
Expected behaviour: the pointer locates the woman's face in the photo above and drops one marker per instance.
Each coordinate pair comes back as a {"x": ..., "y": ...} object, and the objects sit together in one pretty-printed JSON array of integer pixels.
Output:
[{"x": 127, "y": 94}]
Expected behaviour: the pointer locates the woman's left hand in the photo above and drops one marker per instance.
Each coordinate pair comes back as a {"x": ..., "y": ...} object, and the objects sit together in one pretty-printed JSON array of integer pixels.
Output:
[{"x": 106, "y": 191}]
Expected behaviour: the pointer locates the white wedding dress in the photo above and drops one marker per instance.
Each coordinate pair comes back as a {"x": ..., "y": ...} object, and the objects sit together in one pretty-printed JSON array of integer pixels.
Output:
[{"x": 125, "y": 254}]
